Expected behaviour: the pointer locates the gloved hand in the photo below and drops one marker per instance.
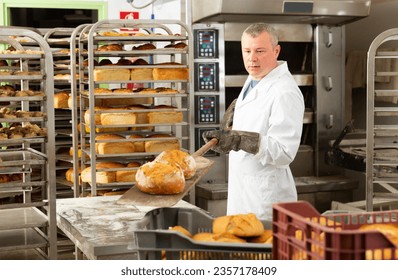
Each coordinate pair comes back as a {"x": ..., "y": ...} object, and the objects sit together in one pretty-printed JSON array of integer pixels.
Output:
[
  {"x": 226, "y": 122},
  {"x": 233, "y": 140}
]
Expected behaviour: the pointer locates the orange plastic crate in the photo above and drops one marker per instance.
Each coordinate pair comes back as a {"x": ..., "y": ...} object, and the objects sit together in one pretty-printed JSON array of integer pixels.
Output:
[{"x": 301, "y": 232}]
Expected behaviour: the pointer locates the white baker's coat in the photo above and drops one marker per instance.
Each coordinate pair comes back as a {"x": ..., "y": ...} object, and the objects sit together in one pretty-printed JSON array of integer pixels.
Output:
[{"x": 275, "y": 109}]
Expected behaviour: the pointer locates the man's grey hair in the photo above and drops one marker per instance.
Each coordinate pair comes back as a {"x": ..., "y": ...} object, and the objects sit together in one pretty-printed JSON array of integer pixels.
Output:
[{"x": 256, "y": 29}]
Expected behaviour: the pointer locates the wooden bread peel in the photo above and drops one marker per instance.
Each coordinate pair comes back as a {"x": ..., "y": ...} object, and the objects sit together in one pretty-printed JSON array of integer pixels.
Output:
[{"x": 136, "y": 197}]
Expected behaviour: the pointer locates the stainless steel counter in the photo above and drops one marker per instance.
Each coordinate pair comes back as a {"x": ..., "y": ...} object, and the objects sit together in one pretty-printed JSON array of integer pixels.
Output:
[{"x": 100, "y": 228}]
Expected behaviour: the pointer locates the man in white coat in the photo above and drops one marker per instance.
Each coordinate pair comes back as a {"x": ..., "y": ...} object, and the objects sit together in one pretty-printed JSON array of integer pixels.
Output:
[{"x": 261, "y": 129}]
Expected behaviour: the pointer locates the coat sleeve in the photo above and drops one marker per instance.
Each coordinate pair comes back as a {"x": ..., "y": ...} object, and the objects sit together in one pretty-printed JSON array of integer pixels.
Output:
[{"x": 280, "y": 143}]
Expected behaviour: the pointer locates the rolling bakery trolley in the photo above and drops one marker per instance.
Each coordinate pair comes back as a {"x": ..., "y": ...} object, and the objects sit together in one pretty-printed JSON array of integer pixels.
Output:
[
  {"x": 27, "y": 220},
  {"x": 123, "y": 91}
]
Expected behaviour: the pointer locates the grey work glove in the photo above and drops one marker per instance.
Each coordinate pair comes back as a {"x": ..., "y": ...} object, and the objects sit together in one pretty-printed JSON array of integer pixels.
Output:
[
  {"x": 226, "y": 122},
  {"x": 233, "y": 140}
]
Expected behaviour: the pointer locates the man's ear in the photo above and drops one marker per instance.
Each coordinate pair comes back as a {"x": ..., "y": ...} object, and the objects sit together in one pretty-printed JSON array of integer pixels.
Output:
[{"x": 277, "y": 50}]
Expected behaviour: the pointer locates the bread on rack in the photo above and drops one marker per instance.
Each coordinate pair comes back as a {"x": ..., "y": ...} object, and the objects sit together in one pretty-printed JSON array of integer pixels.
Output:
[
  {"x": 170, "y": 73},
  {"x": 77, "y": 99},
  {"x": 139, "y": 145},
  {"x": 61, "y": 99},
  {"x": 102, "y": 91},
  {"x": 160, "y": 178},
  {"x": 181, "y": 159},
  {"x": 85, "y": 62},
  {"x": 144, "y": 47},
  {"x": 158, "y": 90},
  {"x": 179, "y": 45},
  {"x": 105, "y": 62},
  {"x": 141, "y": 74},
  {"x": 113, "y": 33},
  {"x": 110, "y": 47},
  {"x": 157, "y": 146},
  {"x": 168, "y": 114},
  {"x": 121, "y": 74},
  {"x": 102, "y": 176},
  {"x": 98, "y": 120},
  {"x": 128, "y": 175},
  {"x": 125, "y": 101},
  {"x": 115, "y": 147},
  {"x": 69, "y": 175},
  {"x": 113, "y": 117},
  {"x": 123, "y": 61},
  {"x": 79, "y": 151},
  {"x": 142, "y": 118}
]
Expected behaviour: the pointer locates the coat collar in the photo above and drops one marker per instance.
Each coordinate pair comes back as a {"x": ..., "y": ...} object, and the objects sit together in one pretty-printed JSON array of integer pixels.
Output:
[{"x": 263, "y": 84}]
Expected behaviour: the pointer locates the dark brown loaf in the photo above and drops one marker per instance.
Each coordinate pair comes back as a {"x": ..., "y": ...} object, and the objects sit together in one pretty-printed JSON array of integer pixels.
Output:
[{"x": 147, "y": 46}]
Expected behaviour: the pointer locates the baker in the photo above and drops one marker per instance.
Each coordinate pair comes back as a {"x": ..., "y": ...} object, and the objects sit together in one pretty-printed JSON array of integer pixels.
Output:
[{"x": 261, "y": 129}]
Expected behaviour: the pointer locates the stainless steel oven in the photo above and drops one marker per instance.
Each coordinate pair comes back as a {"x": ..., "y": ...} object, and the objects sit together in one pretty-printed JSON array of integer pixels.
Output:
[{"x": 311, "y": 34}]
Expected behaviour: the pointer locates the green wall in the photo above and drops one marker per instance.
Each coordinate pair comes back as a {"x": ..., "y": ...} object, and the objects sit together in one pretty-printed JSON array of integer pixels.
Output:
[{"x": 101, "y": 6}]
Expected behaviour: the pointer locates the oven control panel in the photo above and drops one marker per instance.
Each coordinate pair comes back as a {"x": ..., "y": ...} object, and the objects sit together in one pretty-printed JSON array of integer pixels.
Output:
[
  {"x": 206, "y": 109},
  {"x": 206, "y": 43},
  {"x": 206, "y": 76},
  {"x": 199, "y": 142}
]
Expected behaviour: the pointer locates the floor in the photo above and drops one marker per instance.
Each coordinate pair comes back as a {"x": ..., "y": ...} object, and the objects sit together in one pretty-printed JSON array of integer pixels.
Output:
[{"x": 66, "y": 251}]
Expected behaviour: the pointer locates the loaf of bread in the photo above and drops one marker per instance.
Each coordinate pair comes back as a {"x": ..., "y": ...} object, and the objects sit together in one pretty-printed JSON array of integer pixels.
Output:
[
  {"x": 142, "y": 118},
  {"x": 242, "y": 225},
  {"x": 102, "y": 91},
  {"x": 79, "y": 152},
  {"x": 265, "y": 237},
  {"x": 103, "y": 176},
  {"x": 97, "y": 118},
  {"x": 128, "y": 175},
  {"x": 157, "y": 146},
  {"x": 70, "y": 100},
  {"x": 110, "y": 47},
  {"x": 170, "y": 73},
  {"x": 158, "y": 90},
  {"x": 112, "y": 117},
  {"x": 160, "y": 178},
  {"x": 144, "y": 47},
  {"x": 138, "y": 145},
  {"x": 105, "y": 62},
  {"x": 61, "y": 100},
  {"x": 179, "y": 45},
  {"x": 69, "y": 175},
  {"x": 124, "y": 61},
  {"x": 121, "y": 147},
  {"x": 181, "y": 159},
  {"x": 121, "y": 74},
  {"x": 166, "y": 115},
  {"x": 141, "y": 74}
]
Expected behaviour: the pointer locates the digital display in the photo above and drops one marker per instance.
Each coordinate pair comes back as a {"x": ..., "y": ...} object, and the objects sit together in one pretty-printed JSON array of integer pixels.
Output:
[
  {"x": 298, "y": 7},
  {"x": 206, "y": 43}
]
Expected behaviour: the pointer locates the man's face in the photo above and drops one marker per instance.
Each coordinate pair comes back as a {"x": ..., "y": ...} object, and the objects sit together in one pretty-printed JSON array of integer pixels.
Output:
[{"x": 259, "y": 56}]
